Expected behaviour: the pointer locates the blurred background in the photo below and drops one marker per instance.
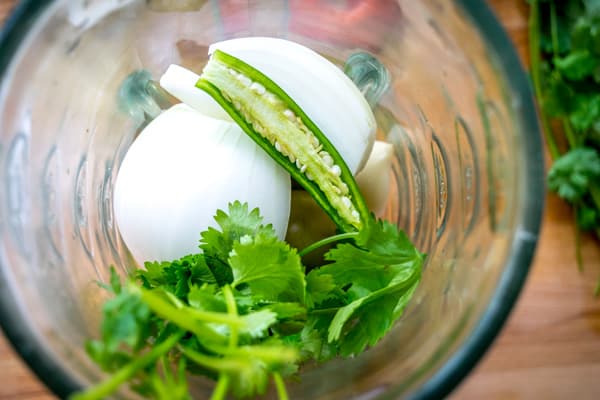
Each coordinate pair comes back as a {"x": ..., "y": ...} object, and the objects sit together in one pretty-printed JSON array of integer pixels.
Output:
[{"x": 550, "y": 347}]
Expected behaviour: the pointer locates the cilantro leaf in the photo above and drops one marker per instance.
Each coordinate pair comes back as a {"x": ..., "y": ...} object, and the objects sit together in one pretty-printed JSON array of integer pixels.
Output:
[
  {"x": 366, "y": 320},
  {"x": 312, "y": 340},
  {"x": 177, "y": 276},
  {"x": 268, "y": 269},
  {"x": 256, "y": 323},
  {"x": 109, "y": 360},
  {"x": 362, "y": 323},
  {"x": 321, "y": 287},
  {"x": 115, "y": 281},
  {"x": 382, "y": 253},
  {"x": 206, "y": 298},
  {"x": 577, "y": 65},
  {"x": 559, "y": 97},
  {"x": 291, "y": 317},
  {"x": 185, "y": 271},
  {"x": 384, "y": 238},
  {"x": 586, "y": 111},
  {"x": 152, "y": 274},
  {"x": 238, "y": 222},
  {"x": 587, "y": 217},
  {"x": 571, "y": 175},
  {"x": 378, "y": 273},
  {"x": 126, "y": 322}
]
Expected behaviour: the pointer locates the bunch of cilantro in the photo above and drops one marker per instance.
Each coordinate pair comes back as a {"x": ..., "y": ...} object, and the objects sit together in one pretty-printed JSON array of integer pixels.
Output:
[
  {"x": 245, "y": 311},
  {"x": 565, "y": 66}
]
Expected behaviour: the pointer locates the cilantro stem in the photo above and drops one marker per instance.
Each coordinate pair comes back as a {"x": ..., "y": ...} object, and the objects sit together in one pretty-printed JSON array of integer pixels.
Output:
[
  {"x": 110, "y": 385},
  {"x": 554, "y": 29},
  {"x": 218, "y": 364},
  {"x": 232, "y": 311},
  {"x": 221, "y": 387},
  {"x": 535, "y": 60},
  {"x": 236, "y": 360},
  {"x": 271, "y": 354},
  {"x": 326, "y": 241},
  {"x": 595, "y": 193},
  {"x": 567, "y": 127},
  {"x": 569, "y": 133},
  {"x": 280, "y": 386},
  {"x": 187, "y": 319}
]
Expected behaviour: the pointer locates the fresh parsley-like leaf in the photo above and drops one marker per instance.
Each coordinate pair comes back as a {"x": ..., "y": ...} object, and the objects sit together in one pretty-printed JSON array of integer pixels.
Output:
[
  {"x": 267, "y": 269},
  {"x": 588, "y": 217},
  {"x": 115, "y": 281},
  {"x": 577, "y": 65},
  {"x": 382, "y": 254},
  {"x": 177, "y": 276},
  {"x": 126, "y": 322},
  {"x": 369, "y": 319},
  {"x": 586, "y": 112},
  {"x": 206, "y": 298},
  {"x": 572, "y": 175},
  {"x": 366, "y": 320},
  {"x": 384, "y": 238},
  {"x": 321, "y": 287},
  {"x": 377, "y": 273},
  {"x": 312, "y": 340},
  {"x": 153, "y": 274},
  {"x": 256, "y": 324},
  {"x": 239, "y": 221}
]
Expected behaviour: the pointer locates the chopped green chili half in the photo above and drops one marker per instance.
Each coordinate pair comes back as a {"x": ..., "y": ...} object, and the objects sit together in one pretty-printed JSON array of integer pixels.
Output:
[{"x": 267, "y": 114}]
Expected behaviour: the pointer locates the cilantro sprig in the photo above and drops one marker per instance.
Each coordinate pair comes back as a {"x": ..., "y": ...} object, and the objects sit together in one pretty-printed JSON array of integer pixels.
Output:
[
  {"x": 245, "y": 311},
  {"x": 564, "y": 39}
]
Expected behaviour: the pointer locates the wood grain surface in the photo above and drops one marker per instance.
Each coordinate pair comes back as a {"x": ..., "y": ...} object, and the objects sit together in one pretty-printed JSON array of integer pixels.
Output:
[{"x": 550, "y": 347}]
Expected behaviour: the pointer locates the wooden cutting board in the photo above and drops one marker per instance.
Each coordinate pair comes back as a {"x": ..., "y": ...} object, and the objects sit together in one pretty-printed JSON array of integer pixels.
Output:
[{"x": 550, "y": 348}]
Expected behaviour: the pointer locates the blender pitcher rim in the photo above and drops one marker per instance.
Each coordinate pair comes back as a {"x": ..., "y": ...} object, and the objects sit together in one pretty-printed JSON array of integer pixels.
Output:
[{"x": 459, "y": 364}]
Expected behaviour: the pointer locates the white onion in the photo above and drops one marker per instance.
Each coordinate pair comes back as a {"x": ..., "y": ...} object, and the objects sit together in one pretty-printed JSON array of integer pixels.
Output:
[
  {"x": 374, "y": 179},
  {"x": 180, "y": 82},
  {"x": 179, "y": 171}
]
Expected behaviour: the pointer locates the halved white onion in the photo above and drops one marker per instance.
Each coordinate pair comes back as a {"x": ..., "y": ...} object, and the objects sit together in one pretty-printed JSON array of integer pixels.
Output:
[{"x": 182, "y": 168}]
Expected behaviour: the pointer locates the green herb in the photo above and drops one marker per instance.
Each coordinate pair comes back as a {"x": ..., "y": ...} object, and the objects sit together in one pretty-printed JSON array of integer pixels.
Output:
[
  {"x": 262, "y": 321},
  {"x": 379, "y": 273},
  {"x": 564, "y": 39}
]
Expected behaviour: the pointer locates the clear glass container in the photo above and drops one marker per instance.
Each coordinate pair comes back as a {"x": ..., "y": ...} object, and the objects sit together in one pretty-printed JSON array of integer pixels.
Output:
[{"x": 467, "y": 179}]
